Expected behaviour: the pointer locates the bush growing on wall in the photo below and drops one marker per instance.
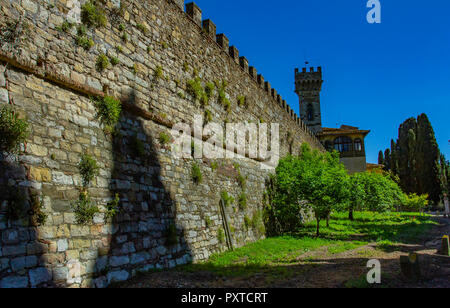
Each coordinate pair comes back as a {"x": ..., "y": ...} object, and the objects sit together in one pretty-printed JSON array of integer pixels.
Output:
[
  {"x": 108, "y": 110},
  {"x": 13, "y": 131}
]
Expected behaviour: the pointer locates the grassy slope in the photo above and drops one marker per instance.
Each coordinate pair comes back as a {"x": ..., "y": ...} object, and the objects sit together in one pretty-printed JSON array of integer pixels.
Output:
[{"x": 269, "y": 255}]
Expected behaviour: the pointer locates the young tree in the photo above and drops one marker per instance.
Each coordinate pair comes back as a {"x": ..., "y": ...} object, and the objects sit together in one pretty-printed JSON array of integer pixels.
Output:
[
  {"x": 317, "y": 178},
  {"x": 357, "y": 193}
]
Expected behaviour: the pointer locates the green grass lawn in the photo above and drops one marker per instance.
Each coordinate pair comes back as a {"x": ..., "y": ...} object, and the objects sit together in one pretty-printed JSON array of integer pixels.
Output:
[{"x": 271, "y": 255}]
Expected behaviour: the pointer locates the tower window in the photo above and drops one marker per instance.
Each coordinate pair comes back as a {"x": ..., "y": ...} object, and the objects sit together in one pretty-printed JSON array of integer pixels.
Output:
[
  {"x": 310, "y": 112},
  {"x": 343, "y": 144},
  {"x": 358, "y": 145}
]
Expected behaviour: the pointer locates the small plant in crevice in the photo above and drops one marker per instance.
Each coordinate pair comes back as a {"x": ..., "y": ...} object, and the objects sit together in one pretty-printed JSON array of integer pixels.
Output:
[
  {"x": 195, "y": 89},
  {"x": 125, "y": 37},
  {"x": 85, "y": 42},
  {"x": 257, "y": 222},
  {"x": 149, "y": 49},
  {"x": 221, "y": 236},
  {"x": 197, "y": 176},
  {"x": 113, "y": 207},
  {"x": 209, "y": 90},
  {"x": 137, "y": 147},
  {"x": 114, "y": 61},
  {"x": 13, "y": 33},
  {"x": 242, "y": 180},
  {"x": 214, "y": 166},
  {"x": 164, "y": 45},
  {"x": 119, "y": 48},
  {"x": 208, "y": 222},
  {"x": 84, "y": 208},
  {"x": 121, "y": 27},
  {"x": 227, "y": 199},
  {"x": 65, "y": 26},
  {"x": 171, "y": 235},
  {"x": 243, "y": 201},
  {"x": 208, "y": 116},
  {"x": 242, "y": 101},
  {"x": 142, "y": 28},
  {"x": 158, "y": 73},
  {"x": 93, "y": 15},
  {"x": 88, "y": 168},
  {"x": 223, "y": 100},
  {"x": 185, "y": 67},
  {"x": 102, "y": 62},
  {"x": 164, "y": 138},
  {"x": 247, "y": 222},
  {"x": 38, "y": 217},
  {"x": 108, "y": 110},
  {"x": 13, "y": 130},
  {"x": 135, "y": 69}
]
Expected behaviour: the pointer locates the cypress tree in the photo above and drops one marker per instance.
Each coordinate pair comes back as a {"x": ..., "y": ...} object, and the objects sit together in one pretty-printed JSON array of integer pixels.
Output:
[
  {"x": 428, "y": 157},
  {"x": 387, "y": 160},
  {"x": 380, "y": 158}
]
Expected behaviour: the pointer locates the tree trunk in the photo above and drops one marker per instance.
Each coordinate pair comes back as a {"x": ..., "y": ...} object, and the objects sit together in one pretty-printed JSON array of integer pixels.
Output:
[
  {"x": 350, "y": 215},
  {"x": 318, "y": 227}
]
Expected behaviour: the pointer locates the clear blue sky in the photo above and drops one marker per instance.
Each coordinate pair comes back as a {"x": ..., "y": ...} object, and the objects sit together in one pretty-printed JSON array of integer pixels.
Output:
[{"x": 375, "y": 75}]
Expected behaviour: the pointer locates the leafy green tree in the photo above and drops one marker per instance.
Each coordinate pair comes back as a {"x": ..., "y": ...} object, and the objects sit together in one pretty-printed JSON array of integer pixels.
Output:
[
  {"x": 313, "y": 180},
  {"x": 357, "y": 193}
]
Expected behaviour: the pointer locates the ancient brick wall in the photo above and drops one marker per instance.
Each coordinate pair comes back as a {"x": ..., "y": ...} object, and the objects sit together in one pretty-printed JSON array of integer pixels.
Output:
[{"x": 49, "y": 79}]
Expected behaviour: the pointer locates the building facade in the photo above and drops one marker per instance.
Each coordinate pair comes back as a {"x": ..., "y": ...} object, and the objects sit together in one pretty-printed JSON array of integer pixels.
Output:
[{"x": 347, "y": 140}]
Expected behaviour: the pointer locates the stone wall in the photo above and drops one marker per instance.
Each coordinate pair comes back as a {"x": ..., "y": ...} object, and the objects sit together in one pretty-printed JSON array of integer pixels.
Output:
[{"x": 48, "y": 79}]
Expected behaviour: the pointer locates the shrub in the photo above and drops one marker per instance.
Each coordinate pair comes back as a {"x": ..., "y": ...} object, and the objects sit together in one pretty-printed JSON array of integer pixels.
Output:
[
  {"x": 113, "y": 207},
  {"x": 66, "y": 26},
  {"x": 38, "y": 217},
  {"x": 243, "y": 201},
  {"x": 241, "y": 100},
  {"x": 88, "y": 168},
  {"x": 92, "y": 15},
  {"x": 413, "y": 202},
  {"x": 197, "y": 176},
  {"x": 114, "y": 61},
  {"x": 142, "y": 28},
  {"x": 158, "y": 74},
  {"x": 209, "y": 89},
  {"x": 108, "y": 110},
  {"x": 223, "y": 100},
  {"x": 85, "y": 42},
  {"x": 164, "y": 138},
  {"x": 102, "y": 62},
  {"x": 208, "y": 116},
  {"x": 125, "y": 37},
  {"x": 227, "y": 199},
  {"x": 121, "y": 27},
  {"x": 84, "y": 209},
  {"x": 195, "y": 89},
  {"x": 13, "y": 131}
]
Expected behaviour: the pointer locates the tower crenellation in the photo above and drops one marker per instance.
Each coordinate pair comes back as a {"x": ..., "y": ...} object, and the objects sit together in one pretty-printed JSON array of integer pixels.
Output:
[{"x": 308, "y": 86}]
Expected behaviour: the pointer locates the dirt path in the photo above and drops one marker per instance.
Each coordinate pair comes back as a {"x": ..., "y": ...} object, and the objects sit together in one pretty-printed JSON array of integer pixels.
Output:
[{"x": 321, "y": 269}]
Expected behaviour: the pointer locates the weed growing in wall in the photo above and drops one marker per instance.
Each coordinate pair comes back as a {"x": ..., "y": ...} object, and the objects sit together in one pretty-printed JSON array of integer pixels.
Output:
[
  {"x": 242, "y": 180},
  {"x": 13, "y": 33},
  {"x": 195, "y": 89},
  {"x": 221, "y": 236},
  {"x": 114, "y": 61},
  {"x": 247, "y": 222},
  {"x": 13, "y": 130},
  {"x": 38, "y": 217},
  {"x": 85, "y": 42},
  {"x": 208, "y": 222},
  {"x": 208, "y": 116},
  {"x": 93, "y": 15},
  {"x": 223, "y": 100},
  {"x": 121, "y": 27},
  {"x": 241, "y": 100},
  {"x": 227, "y": 199},
  {"x": 84, "y": 208},
  {"x": 164, "y": 138},
  {"x": 214, "y": 166},
  {"x": 197, "y": 176},
  {"x": 125, "y": 37},
  {"x": 243, "y": 201},
  {"x": 257, "y": 222},
  {"x": 158, "y": 74},
  {"x": 108, "y": 110},
  {"x": 113, "y": 207},
  {"x": 102, "y": 62},
  {"x": 142, "y": 28},
  {"x": 66, "y": 26},
  {"x": 88, "y": 168}
]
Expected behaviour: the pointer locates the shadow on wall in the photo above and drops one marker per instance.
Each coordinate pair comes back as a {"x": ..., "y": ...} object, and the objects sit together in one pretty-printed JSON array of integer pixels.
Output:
[
  {"x": 144, "y": 235},
  {"x": 22, "y": 253}
]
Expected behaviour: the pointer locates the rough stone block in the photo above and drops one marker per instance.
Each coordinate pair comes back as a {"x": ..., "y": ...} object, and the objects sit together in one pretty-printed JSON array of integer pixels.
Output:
[
  {"x": 180, "y": 4},
  {"x": 244, "y": 63},
  {"x": 14, "y": 282},
  {"x": 4, "y": 97},
  {"x": 117, "y": 276},
  {"x": 194, "y": 12},
  {"x": 252, "y": 71},
  {"x": 234, "y": 53},
  {"x": 210, "y": 28},
  {"x": 223, "y": 41},
  {"x": 39, "y": 275}
]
